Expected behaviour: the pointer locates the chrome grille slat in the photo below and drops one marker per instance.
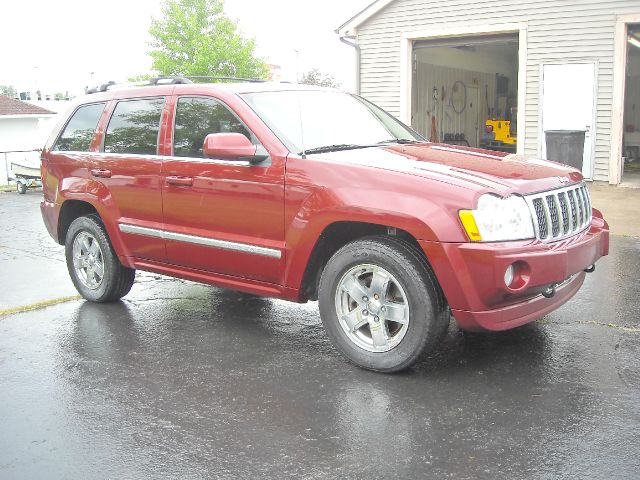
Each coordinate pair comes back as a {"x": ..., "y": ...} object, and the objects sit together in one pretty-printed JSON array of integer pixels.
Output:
[
  {"x": 553, "y": 215},
  {"x": 564, "y": 212},
  {"x": 560, "y": 213},
  {"x": 574, "y": 210},
  {"x": 581, "y": 208},
  {"x": 541, "y": 223},
  {"x": 587, "y": 206}
]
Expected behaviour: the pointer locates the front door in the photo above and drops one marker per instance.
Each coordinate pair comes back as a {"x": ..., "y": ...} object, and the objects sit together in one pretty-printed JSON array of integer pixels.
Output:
[
  {"x": 568, "y": 92},
  {"x": 221, "y": 216}
]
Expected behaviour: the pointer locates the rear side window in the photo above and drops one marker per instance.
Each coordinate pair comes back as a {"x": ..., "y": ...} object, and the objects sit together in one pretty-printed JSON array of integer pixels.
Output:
[
  {"x": 77, "y": 135},
  {"x": 134, "y": 127},
  {"x": 196, "y": 117}
]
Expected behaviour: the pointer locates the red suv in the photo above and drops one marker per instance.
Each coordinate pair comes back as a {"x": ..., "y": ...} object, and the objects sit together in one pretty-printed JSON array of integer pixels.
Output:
[{"x": 306, "y": 193}]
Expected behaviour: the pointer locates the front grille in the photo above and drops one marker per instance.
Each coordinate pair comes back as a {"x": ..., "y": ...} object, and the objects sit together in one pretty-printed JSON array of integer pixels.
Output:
[{"x": 560, "y": 213}]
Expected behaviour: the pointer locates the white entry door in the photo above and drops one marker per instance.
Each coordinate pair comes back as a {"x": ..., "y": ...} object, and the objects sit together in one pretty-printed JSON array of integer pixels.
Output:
[{"x": 568, "y": 93}]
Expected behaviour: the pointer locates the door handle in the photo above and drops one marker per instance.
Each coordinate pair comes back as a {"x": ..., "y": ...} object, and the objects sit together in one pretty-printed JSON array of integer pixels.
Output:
[
  {"x": 180, "y": 181},
  {"x": 101, "y": 172}
]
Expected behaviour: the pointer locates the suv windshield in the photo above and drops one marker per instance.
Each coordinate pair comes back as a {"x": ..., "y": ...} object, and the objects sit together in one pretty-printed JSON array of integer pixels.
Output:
[{"x": 317, "y": 120}]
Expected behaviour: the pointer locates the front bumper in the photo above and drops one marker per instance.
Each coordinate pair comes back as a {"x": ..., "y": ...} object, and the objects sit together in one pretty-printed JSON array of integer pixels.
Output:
[{"x": 472, "y": 276}]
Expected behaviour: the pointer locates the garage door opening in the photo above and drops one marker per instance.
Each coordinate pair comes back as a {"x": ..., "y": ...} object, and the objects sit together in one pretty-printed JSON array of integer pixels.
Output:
[
  {"x": 465, "y": 91},
  {"x": 631, "y": 123}
]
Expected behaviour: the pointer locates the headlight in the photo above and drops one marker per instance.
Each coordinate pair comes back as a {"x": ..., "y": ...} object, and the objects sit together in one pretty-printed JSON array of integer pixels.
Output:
[{"x": 498, "y": 219}]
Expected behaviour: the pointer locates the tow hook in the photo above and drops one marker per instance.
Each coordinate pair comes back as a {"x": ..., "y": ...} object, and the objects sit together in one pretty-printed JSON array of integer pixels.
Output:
[
  {"x": 590, "y": 268},
  {"x": 549, "y": 292}
]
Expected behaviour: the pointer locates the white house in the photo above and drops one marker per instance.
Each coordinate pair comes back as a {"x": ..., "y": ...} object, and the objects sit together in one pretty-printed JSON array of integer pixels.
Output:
[
  {"x": 446, "y": 67},
  {"x": 23, "y": 129}
]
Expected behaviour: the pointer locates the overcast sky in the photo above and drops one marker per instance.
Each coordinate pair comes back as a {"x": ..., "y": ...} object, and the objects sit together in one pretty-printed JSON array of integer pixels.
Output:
[{"x": 55, "y": 45}]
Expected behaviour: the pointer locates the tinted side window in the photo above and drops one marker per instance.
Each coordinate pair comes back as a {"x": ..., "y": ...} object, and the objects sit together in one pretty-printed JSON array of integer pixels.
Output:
[
  {"x": 77, "y": 135},
  {"x": 134, "y": 127},
  {"x": 198, "y": 117}
]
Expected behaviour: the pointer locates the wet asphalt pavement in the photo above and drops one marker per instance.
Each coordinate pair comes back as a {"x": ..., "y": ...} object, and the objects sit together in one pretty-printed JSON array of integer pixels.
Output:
[{"x": 187, "y": 381}]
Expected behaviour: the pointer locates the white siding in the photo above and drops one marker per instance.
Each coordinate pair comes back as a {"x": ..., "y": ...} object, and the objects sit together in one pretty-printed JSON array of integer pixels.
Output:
[
  {"x": 21, "y": 134},
  {"x": 557, "y": 31}
]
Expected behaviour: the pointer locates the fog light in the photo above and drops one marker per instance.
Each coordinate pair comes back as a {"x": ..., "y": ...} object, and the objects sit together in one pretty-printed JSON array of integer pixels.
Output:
[{"x": 508, "y": 275}]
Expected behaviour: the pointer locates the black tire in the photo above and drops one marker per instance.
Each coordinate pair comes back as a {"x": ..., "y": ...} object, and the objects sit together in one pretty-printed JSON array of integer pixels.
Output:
[
  {"x": 116, "y": 280},
  {"x": 429, "y": 314},
  {"x": 21, "y": 187}
]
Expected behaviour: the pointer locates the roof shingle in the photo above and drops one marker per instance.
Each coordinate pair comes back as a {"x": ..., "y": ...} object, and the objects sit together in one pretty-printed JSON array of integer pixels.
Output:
[{"x": 10, "y": 106}]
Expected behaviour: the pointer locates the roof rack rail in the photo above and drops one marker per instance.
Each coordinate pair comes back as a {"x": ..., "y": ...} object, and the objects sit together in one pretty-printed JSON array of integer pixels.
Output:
[
  {"x": 233, "y": 79},
  {"x": 168, "y": 80},
  {"x": 99, "y": 88},
  {"x": 111, "y": 84}
]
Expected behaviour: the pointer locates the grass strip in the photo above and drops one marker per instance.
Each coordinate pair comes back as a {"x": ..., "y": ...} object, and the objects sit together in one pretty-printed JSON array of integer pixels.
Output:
[{"x": 38, "y": 305}]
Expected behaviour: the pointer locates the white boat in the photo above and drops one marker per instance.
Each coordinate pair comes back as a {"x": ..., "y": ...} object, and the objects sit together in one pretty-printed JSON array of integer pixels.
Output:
[
  {"x": 25, "y": 177},
  {"x": 25, "y": 171}
]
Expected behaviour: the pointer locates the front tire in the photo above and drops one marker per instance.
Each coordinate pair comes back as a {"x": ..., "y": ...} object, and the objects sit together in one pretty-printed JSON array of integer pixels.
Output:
[
  {"x": 93, "y": 265},
  {"x": 380, "y": 304}
]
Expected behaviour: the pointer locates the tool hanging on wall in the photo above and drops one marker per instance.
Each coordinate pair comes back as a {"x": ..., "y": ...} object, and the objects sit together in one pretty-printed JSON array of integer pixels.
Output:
[
  {"x": 460, "y": 88},
  {"x": 442, "y": 115},
  {"x": 433, "y": 137},
  {"x": 486, "y": 97}
]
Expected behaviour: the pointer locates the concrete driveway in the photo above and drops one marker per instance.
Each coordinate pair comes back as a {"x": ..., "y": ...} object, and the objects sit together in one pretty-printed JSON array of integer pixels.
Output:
[{"x": 182, "y": 380}]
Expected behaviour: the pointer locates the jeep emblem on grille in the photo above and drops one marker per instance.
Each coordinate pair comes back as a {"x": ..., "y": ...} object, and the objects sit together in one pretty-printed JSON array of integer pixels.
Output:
[{"x": 563, "y": 180}]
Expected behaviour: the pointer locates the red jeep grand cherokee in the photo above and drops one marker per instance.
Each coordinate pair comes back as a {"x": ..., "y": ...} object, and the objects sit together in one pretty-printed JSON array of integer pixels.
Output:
[{"x": 304, "y": 193}]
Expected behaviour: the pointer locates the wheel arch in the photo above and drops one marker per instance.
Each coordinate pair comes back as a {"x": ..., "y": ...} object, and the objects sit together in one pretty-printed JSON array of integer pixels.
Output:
[
  {"x": 69, "y": 211},
  {"x": 77, "y": 207},
  {"x": 336, "y": 235}
]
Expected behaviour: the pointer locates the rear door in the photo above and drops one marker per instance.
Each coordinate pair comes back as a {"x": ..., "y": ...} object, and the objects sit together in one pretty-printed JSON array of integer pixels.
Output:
[
  {"x": 221, "y": 216},
  {"x": 127, "y": 174}
]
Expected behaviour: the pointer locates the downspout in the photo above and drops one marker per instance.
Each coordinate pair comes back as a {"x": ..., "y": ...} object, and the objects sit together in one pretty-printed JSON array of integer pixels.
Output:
[{"x": 352, "y": 43}]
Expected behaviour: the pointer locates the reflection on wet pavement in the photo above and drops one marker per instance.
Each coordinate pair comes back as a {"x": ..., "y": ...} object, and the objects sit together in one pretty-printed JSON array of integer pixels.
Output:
[{"x": 182, "y": 380}]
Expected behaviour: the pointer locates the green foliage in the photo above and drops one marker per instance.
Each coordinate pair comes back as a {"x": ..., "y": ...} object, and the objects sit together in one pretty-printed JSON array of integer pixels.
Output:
[
  {"x": 198, "y": 117},
  {"x": 194, "y": 37},
  {"x": 135, "y": 131},
  {"x": 77, "y": 141},
  {"x": 315, "y": 77},
  {"x": 8, "y": 90},
  {"x": 145, "y": 77}
]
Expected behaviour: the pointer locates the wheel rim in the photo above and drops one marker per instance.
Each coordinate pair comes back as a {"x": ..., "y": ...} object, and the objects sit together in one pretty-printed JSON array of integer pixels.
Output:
[
  {"x": 372, "y": 308},
  {"x": 88, "y": 261}
]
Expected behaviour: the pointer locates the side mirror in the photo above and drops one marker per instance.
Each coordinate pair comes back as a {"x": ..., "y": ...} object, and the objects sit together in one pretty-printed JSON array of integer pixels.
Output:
[{"x": 232, "y": 146}]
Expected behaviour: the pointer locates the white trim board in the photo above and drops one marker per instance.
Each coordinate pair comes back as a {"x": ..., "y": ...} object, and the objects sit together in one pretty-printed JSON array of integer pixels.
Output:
[
  {"x": 617, "y": 107},
  {"x": 348, "y": 29}
]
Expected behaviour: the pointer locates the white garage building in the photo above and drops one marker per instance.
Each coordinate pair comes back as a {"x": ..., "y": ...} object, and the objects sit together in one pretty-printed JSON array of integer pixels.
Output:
[
  {"x": 446, "y": 67},
  {"x": 23, "y": 129}
]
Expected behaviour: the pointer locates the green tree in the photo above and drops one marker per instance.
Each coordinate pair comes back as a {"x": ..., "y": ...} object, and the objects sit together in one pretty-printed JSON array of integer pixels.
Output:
[
  {"x": 145, "y": 77},
  {"x": 194, "y": 37},
  {"x": 8, "y": 90},
  {"x": 315, "y": 77}
]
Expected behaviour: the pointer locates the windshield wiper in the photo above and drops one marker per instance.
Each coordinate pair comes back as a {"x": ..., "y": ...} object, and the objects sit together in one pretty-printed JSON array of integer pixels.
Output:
[
  {"x": 335, "y": 148},
  {"x": 402, "y": 141}
]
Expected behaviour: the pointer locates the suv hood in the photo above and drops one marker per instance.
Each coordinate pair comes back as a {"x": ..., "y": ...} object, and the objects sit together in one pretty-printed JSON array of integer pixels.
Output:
[{"x": 471, "y": 168}]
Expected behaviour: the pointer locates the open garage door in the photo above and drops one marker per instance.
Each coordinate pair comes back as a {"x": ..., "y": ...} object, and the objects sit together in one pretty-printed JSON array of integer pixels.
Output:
[{"x": 465, "y": 90}]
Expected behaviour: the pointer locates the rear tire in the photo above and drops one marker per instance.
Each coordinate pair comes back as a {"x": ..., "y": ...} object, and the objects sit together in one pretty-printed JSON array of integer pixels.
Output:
[
  {"x": 93, "y": 265},
  {"x": 380, "y": 304}
]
